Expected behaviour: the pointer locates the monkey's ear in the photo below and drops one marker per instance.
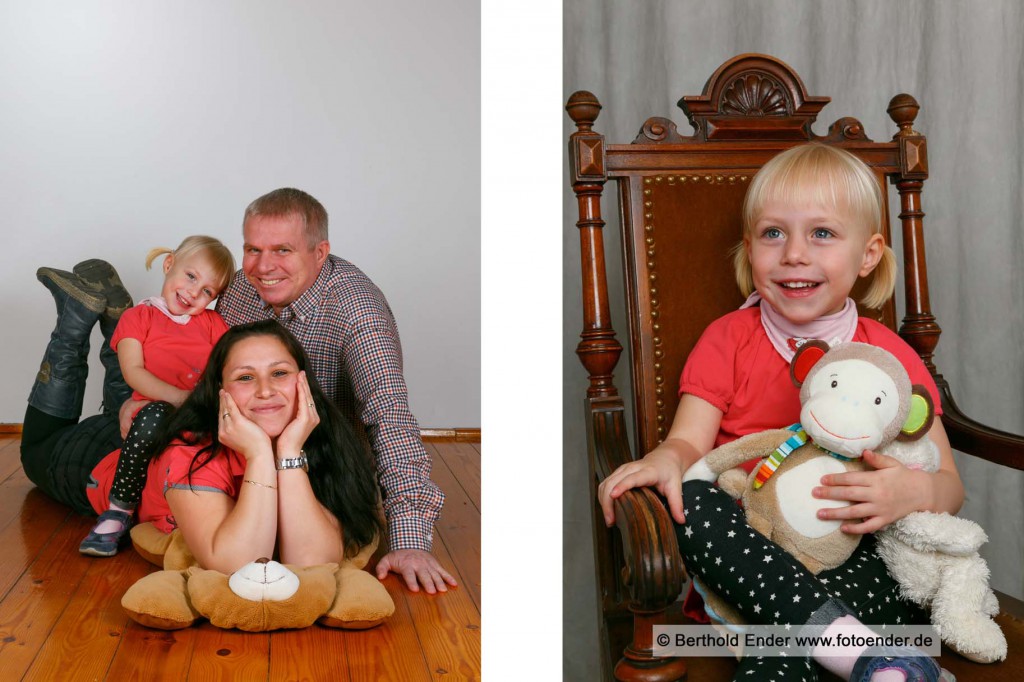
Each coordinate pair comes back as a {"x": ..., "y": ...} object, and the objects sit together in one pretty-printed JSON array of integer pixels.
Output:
[
  {"x": 806, "y": 357},
  {"x": 922, "y": 414}
]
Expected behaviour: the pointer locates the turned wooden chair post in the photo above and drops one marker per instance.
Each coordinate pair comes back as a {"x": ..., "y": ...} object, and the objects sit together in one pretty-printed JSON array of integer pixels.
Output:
[
  {"x": 598, "y": 349},
  {"x": 919, "y": 328},
  {"x": 653, "y": 588}
]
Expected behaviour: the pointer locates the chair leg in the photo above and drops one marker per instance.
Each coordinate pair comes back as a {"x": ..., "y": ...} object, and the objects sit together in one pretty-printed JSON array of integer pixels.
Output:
[{"x": 638, "y": 662}]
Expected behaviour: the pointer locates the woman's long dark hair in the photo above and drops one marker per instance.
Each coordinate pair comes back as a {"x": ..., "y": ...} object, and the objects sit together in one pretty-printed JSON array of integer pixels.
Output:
[{"x": 341, "y": 470}]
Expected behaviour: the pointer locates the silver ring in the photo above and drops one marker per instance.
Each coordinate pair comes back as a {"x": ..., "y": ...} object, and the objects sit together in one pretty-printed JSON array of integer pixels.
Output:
[
  {"x": 312, "y": 404},
  {"x": 227, "y": 414}
]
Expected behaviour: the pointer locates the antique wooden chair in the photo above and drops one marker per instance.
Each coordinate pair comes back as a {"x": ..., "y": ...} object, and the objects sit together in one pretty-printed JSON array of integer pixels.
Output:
[{"x": 680, "y": 199}]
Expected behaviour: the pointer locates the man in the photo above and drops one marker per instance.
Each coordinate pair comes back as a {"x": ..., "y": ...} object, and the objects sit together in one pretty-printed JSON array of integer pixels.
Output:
[{"x": 346, "y": 327}]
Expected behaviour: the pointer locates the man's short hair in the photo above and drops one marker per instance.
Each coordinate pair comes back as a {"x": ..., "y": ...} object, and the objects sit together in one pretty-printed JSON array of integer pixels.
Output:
[{"x": 286, "y": 201}]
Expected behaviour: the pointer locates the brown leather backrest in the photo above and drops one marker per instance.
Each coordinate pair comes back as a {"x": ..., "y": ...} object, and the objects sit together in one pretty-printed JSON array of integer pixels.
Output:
[{"x": 681, "y": 198}]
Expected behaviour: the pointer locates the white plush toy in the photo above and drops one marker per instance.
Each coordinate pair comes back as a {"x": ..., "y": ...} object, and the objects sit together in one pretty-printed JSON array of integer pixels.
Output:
[{"x": 934, "y": 557}]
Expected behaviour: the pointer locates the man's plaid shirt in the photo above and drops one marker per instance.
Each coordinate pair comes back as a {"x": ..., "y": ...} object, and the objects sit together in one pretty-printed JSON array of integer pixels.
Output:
[{"x": 346, "y": 327}]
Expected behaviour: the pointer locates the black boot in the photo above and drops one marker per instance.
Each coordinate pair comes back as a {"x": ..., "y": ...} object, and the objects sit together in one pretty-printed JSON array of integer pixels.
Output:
[
  {"x": 59, "y": 389},
  {"x": 103, "y": 278},
  {"x": 115, "y": 389}
]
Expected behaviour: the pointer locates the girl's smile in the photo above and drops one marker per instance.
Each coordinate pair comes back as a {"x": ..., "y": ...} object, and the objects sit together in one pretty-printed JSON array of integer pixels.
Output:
[{"x": 798, "y": 288}]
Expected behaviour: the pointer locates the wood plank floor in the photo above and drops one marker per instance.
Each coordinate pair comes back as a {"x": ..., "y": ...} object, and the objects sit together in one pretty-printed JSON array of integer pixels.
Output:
[{"x": 61, "y": 617}]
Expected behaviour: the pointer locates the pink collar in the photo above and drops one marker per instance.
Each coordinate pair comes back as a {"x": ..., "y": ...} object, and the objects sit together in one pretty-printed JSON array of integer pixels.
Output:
[{"x": 787, "y": 336}]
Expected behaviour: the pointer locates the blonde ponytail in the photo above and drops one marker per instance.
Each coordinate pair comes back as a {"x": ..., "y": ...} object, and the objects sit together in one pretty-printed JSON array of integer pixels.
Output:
[{"x": 156, "y": 253}]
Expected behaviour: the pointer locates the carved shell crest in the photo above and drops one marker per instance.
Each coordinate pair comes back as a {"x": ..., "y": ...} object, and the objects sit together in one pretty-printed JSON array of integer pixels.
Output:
[{"x": 754, "y": 95}]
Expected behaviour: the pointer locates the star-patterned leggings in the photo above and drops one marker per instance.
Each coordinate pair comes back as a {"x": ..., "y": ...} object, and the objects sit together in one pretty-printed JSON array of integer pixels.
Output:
[
  {"x": 769, "y": 586},
  {"x": 137, "y": 451}
]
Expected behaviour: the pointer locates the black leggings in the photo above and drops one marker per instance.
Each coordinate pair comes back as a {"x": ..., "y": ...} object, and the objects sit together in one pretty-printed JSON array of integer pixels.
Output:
[
  {"x": 769, "y": 586},
  {"x": 58, "y": 455},
  {"x": 133, "y": 463}
]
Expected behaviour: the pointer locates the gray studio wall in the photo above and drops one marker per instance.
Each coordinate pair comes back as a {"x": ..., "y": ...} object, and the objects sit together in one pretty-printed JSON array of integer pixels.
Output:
[
  {"x": 130, "y": 125},
  {"x": 963, "y": 62}
]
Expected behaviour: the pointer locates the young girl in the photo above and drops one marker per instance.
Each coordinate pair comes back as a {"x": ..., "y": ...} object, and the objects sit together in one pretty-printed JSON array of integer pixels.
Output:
[
  {"x": 812, "y": 219},
  {"x": 162, "y": 347}
]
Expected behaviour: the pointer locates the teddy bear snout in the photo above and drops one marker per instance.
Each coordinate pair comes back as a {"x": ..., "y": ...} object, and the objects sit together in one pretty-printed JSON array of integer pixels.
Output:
[{"x": 264, "y": 580}]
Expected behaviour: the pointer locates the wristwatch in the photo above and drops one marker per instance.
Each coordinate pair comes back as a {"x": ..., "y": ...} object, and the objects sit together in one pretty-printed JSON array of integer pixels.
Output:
[{"x": 299, "y": 462}]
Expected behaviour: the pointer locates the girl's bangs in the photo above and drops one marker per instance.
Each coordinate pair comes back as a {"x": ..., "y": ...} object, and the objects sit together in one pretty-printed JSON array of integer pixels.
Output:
[{"x": 820, "y": 179}]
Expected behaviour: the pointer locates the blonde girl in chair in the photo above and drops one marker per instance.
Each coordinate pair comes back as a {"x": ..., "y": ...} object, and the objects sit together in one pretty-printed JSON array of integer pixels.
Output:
[{"x": 812, "y": 228}]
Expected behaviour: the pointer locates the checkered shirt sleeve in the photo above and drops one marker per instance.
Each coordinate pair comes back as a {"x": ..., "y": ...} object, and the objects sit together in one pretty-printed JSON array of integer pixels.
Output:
[{"x": 346, "y": 327}]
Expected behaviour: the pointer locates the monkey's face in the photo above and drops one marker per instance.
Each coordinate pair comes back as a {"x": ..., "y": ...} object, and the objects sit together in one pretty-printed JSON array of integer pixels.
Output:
[{"x": 850, "y": 406}]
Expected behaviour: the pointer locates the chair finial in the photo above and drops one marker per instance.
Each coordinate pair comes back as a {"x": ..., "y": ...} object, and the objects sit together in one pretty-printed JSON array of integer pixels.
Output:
[
  {"x": 903, "y": 110},
  {"x": 583, "y": 109}
]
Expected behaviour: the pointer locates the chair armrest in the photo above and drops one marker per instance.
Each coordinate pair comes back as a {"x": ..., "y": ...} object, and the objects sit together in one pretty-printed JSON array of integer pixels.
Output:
[
  {"x": 654, "y": 570},
  {"x": 975, "y": 438}
]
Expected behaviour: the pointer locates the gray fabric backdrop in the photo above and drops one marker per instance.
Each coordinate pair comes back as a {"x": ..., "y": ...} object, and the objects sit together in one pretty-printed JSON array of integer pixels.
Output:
[{"x": 963, "y": 62}]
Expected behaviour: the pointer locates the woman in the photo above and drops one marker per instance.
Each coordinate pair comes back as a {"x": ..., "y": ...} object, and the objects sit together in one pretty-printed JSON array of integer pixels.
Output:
[{"x": 258, "y": 458}]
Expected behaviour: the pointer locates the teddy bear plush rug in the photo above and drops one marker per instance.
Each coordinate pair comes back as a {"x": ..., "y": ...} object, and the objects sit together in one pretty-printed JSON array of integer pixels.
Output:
[{"x": 263, "y": 595}]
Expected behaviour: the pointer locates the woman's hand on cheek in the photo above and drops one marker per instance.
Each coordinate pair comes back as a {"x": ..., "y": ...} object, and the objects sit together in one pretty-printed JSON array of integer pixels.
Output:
[
  {"x": 877, "y": 496},
  {"x": 238, "y": 432},
  {"x": 294, "y": 436}
]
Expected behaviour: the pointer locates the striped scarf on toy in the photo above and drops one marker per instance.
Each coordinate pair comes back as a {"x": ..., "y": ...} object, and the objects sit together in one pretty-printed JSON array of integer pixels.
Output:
[{"x": 795, "y": 441}]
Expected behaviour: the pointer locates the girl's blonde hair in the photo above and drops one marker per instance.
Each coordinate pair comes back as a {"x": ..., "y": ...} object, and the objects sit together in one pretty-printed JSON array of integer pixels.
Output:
[
  {"x": 221, "y": 260},
  {"x": 826, "y": 176}
]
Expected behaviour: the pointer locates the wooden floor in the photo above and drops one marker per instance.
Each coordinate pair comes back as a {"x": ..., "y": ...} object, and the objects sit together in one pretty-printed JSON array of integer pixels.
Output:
[{"x": 61, "y": 617}]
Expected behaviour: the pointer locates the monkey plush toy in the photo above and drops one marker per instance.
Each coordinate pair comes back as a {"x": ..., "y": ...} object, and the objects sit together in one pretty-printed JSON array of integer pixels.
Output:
[
  {"x": 850, "y": 402},
  {"x": 857, "y": 397}
]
